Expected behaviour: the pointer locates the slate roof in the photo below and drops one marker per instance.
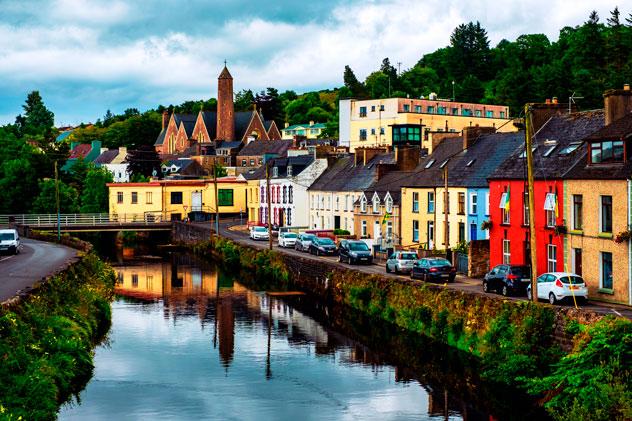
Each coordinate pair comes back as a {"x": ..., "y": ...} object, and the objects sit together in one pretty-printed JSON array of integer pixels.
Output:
[
  {"x": 180, "y": 163},
  {"x": 298, "y": 163},
  {"x": 210, "y": 121},
  {"x": 432, "y": 176},
  {"x": 242, "y": 119},
  {"x": 563, "y": 129},
  {"x": 343, "y": 175},
  {"x": 267, "y": 124},
  {"x": 262, "y": 147},
  {"x": 107, "y": 157},
  {"x": 618, "y": 129},
  {"x": 235, "y": 144},
  {"x": 80, "y": 151},
  {"x": 161, "y": 138}
]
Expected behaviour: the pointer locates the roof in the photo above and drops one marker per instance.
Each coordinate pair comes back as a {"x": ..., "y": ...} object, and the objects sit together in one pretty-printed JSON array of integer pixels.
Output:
[
  {"x": 306, "y": 126},
  {"x": 225, "y": 74},
  {"x": 81, "y": 151},
  {"x": 107, "y": 157},
  {"x": 558, "y": 133},
  {"x": 161, "y": 138},
  {"x": 618, "y": 129},
  {"x": 267, "y": 124},
  {"x": 63, "y": 136},
  {"x": 344, "y": 175},
  {"x": 229, "y": 144},
  {"x": 263, "y": 147},
  {"x": 242, "y": 121},
  {"x": 429, "y": 172}
]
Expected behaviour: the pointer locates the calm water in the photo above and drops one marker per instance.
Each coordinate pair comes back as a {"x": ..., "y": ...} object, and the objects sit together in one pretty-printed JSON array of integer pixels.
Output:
[{"x": 189, "y": 342}]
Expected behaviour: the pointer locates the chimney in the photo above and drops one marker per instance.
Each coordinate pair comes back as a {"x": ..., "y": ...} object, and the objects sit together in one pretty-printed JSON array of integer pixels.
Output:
[
  {"x": 103, "y": 150},
  {"x": 407, "y": 158},
  {"x": 547, "y": 101},
  {"x": 225, "y": 106},
  {"x": 286, "y": 125},
  {"x": 470, "y": 134},
  {"x": 554, "y": 101},
  {"x": 369, "y": 153},
  {"x": 617, "y": 103},
  {"x": 165, "y": 119},
  {"x": 542, "y": 112},
  {"x": 311, "y": 122}
]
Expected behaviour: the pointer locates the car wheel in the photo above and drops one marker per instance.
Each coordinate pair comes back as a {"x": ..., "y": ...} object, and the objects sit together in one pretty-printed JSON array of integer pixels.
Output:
[
  {"x": 351, "y": 261},
  {"x": 485, "y": 287},
  {"x": 388, "y": 270},
  {"x": 505, "y": 291},
  {"x": 340, "y": 258},
  {"x": 396, "y": 270},
  {"x": 552, "y": 299}
]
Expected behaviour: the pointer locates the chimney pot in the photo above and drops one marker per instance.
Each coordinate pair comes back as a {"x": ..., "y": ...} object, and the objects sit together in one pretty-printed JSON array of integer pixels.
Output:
[
  {"x": 287, "y": 125},
  {"x": 554, "y": 100},
  {"x": 626, "y": 87},
  {"x": 311, "y": 122},
  {"x": 547, "y": 101}
]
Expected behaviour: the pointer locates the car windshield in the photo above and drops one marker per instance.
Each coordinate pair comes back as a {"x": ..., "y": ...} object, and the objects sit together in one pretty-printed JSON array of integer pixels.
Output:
[
  {"x": 521, "y": 271},
  {"x": 358, "y": 246},
  {"x": 7, "y": 236},
  {"x": 289, "y": 235},
  {"x": 308, "y": 237},
  {"x": 325, "y": 241},
  {"x": 575, "y": 280},
  {"x": 409, "y": 256},
  {"x": 260, "y": 229},
  {"x": 440, "y": 262}
]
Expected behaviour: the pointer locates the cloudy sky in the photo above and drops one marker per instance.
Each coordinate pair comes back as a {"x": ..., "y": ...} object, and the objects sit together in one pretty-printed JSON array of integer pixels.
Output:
[{"x": 87, "y": 56}]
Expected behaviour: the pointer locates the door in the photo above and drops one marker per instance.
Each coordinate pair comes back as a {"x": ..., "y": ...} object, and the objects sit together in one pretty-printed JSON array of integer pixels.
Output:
[
  {"x": 377, "y": 232},
  {"x": 336, "y": 221},
  {"x": 473, "y": 231},
  {"x": 577, "y": 261},
  {"x": 430, "y": 239},
  {"x": 281, "y": 221},
  {"x": 196, "y": 201}
]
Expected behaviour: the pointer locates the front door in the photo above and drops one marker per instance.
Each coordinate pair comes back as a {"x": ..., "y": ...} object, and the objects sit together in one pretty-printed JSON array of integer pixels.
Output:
[
  {"x": 430, "y": 235},
  {"x": 196, "y": 201},
  {"x": 336, "y": 222},
  {"x": 281, "y": 217},
  {"x": 473, "y": 231},
  {"x": 577, "y": 261},
  {"x": 377, "y": 232}
]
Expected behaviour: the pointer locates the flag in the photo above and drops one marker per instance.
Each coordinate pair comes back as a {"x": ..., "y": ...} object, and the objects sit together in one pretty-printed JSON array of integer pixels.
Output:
[
  {"x": 557, "y": 211},
  {"x": 387, "y": 216},
  {"x": 506, "y": 204}
]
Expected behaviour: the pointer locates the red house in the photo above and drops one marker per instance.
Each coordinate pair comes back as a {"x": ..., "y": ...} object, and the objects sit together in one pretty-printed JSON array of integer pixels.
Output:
[{"x": 557, "y": 146}]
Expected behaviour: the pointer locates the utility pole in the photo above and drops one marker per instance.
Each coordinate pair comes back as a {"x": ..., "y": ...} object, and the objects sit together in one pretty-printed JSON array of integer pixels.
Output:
[
  {"x": 532, "y": 237},
  {"x": 57, "y": 203},
  {"x": 446, "y": 204},
  {"x": 269, "y": 205},
  {"x": 216, "y": 198}
]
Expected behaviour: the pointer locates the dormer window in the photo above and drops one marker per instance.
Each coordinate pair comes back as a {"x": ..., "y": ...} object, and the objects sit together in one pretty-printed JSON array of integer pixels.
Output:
[
  {"x": 607, "y": 151},
  {"x": 275, "y": 171},
  {"x": 429, "y": 164},
  {"x": 289, "y": 170},
  {"x": 376, "y": 204},
  {"x": 363, "y": 203},
  {"x": 388, "y": 203}
]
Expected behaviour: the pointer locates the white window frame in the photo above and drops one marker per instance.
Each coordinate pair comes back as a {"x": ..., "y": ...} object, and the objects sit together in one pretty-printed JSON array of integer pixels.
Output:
[
  {"x": 415, "y": 202},
  {"x": 506, "y": 252},
  {"x": 601, "y": 269},
  {"x": 389, "y": 230},
  {"x": 473, "y": 203},
  {"x": 388, "y": 204},
  {"x": 375, "y": 204},
  {"x": 363, "y": 204},
  {"x": 487, "y": 204},
  {"x": 551, "y": 258},
  {"x": 363, "y": 228},
  {"x": 337, "y": 204},
  {"x": 415, "y": 231}
]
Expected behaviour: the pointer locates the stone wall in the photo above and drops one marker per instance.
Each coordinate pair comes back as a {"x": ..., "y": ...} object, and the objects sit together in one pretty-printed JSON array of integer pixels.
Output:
[
  {"x": 190, "y": 233},
  {"x": 478, "y": 258}
]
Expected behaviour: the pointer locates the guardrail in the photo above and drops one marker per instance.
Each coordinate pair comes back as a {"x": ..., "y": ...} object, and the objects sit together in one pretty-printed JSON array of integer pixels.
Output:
[{"x": 75, "y": 219}]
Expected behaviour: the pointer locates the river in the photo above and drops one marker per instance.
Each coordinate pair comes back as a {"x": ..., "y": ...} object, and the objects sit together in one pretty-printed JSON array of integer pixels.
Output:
[{"x": 189, "y": 341}]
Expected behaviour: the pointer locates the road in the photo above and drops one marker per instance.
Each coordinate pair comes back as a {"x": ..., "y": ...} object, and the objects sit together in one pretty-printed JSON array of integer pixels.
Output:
[
  {"x": 462, "y": 283},
  {"x": 35, "y": 261}
]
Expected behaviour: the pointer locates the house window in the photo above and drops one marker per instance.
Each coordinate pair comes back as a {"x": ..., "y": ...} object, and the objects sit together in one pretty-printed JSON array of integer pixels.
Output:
[
  {"x": 525, "y": 208},
  {"x": 550, "y": 207},
  {"x": 363, "y": 203},
  {"x": 389, "y": 204},
  {"x": 455, "y": 111},
  {"x": 376, "y": 204},
  {"x": 337, "y": 205},
  {"x": 431, "y": 109},
  {"x": 477, "y": 113},
  {"x": 252, "y": 162},
  {"x": 606, "y": 270},
  {"x": 289, "y": 170},
  {"x": 607, "y": 151},
  {"x": 417, "y": 108},
  {"x": 362, "y": 111},
  {"x": 551, "y": 256},
  {"x": 288, "y": 215},
  {"x": 176, "y": 197},
  {"x": 489, "y": 114},
  {"x": 263, "y": 194},
  {"x": 415, "y": 232},
  {"x": 506, "y": 252},
  {"x": 382, "y": 107},
  {"x": 364, "y": 232},
  {"x": 577, "y": 211},
  {"x": 362, "y": 134},
  {"x": 406, "y": 108},
  {"x": 243, "y": 162},
  {"x": 119, "y": 197},
  {"x": 134, "y": 197},
  {"x": 461, "y": 207},
  {"x": 431, "y": 202},
  {"x": 415, "y": 202},
  {"x": 284, "y": 194},
  {"x": 346, "y": 202},
  {"x": 502, "y": 114},
  {"x": 148, "y": 198},
  {"x": 382, "y": 130},
  {"x": 504, "y": 207},
  {"x": 473, "y": 203},
  {"x": 225, "y": 197},
  {"x": 606, "y": 214},
  {"x": 372, "y": 108},
  {"x": 373, "y": 131},
  {"x": 291, "y": 194},
  {"x": 389, "y": 230},
  {"x": 275, "y": 171}
]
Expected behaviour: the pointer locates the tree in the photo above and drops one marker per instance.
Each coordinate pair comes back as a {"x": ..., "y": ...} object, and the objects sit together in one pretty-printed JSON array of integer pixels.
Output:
[
  {"x": 469, "y": 53},
  {"x": 143, "y": 161},
  {"x": 378, "y": 85},
  {"x": 220, "y": 170},
  {"x": 244, "y": 100},
  {"x": 37, "y": 119},
  {"x": 353, "y": 84},
  {"x": 94, "y": 198},
  {"x": 18, "y": 186},
  {"x": 269, "y": 104},
  {"x": 46, "y": 201}
]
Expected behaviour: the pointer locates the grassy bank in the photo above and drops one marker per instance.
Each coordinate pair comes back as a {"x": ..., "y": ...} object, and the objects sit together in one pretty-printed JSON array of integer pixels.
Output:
[
  {"x": 47, "y": 340},
  {"x": 514, "y": 340}
]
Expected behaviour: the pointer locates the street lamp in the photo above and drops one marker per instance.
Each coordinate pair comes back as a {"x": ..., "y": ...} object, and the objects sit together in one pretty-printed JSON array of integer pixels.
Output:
[{"x": 453, "y": 96}]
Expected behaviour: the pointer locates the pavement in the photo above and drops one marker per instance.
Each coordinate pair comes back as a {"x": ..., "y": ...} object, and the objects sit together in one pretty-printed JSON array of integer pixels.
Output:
[
  {"x": 36, "y": 260},
  {"x": 230, "y": 229}
]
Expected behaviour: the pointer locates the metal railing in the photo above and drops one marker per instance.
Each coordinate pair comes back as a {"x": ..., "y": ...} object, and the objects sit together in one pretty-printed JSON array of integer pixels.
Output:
[{"x": 91, "y": 219}]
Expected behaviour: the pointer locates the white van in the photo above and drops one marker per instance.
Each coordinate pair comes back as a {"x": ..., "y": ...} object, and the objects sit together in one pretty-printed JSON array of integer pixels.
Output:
[{"x": 9, "y": 241}]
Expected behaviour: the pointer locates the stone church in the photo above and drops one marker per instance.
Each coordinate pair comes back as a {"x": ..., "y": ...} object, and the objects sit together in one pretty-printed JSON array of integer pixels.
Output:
[{"x": 208, "y": 131}]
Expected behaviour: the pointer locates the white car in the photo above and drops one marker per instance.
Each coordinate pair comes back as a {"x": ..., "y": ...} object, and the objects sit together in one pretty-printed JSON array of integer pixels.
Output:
[
  {"x": 9, "y": 241},
  {"x": 259, "y": 233},
  {"x": 555, "y": 286},
  {"x": 287, "y": 239}
]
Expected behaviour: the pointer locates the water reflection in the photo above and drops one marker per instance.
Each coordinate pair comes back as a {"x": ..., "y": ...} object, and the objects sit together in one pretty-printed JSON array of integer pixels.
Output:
[{"x": 191, "y": 342}]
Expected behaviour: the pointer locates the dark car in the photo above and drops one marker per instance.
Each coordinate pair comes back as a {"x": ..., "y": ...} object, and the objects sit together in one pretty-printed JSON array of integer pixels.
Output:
[
  {"x": 508, "y": 279},
  {"x": 354, "y": 251},
  {"x": 433, "y": 269},
  {"x": 323, "y": 246}
]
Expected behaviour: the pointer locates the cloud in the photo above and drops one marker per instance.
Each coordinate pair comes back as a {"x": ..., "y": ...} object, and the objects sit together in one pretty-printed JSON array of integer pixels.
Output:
[{"x": 90, "y": 55}]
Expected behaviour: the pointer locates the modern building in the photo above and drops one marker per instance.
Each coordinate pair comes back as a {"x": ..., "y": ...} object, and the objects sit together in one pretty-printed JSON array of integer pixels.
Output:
[
  {"x": 309, "y": 131},
  {"x": 403, "y": 121}
]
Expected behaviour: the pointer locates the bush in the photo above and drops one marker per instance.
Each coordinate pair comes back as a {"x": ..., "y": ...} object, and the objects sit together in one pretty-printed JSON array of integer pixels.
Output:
[{"x": 341, "y": 232}]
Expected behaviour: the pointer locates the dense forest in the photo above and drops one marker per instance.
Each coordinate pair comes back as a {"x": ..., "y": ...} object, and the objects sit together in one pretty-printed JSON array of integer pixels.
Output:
[{"x": 585, "y": 60}]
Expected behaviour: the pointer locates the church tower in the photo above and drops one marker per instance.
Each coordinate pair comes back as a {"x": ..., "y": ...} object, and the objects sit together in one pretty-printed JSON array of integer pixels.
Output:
[{"x": 225, "y": 106}]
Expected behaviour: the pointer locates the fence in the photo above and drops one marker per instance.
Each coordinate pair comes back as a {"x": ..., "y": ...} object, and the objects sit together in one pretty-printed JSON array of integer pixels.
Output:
[
  {"x": 461, "y": 260},
  {"x": 76, "y": 219}
]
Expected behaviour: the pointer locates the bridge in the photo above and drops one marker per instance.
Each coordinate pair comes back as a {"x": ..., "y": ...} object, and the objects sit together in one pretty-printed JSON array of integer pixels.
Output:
[{"x": 88, "y": 222}]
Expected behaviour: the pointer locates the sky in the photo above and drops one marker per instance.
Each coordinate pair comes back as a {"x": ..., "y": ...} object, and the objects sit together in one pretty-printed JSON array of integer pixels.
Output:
[{"x": 88, "y": 56}]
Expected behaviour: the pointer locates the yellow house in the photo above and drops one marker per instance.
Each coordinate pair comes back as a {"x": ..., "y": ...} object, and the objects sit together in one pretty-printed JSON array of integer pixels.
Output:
[
  {"x": 174, "y": 199},
  {"x": 253, "y": 202},
  {"x": 397, "y": 121}
]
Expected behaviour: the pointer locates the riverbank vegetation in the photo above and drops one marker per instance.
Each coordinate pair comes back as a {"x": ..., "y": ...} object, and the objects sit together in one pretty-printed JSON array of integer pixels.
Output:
[
  {"x": 516, "y": 342},
  {"x": 47, "y": 340}
]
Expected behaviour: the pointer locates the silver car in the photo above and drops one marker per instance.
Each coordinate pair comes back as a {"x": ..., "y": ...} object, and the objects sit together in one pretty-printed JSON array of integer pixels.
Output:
[
  {"x": 304, "y": 241},
  {"x": 401, "y": 261}
]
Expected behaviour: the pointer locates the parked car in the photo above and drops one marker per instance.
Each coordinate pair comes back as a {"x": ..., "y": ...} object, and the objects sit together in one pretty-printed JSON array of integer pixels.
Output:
[
  {"x": 354, "y": 251},
  {"x": 9, "y": 241},
  {"x": 401, "y": 261},
  {"x": 303, "y": 241},
  {"x": 287, "y": 239},
  {"x": 433, "y": 268},
  {"x": 508, "y": 279},
  {"x": 323, "y": 246},
  {"x": 259, "y": 233},
  {"x": 556, "y": 286}
]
